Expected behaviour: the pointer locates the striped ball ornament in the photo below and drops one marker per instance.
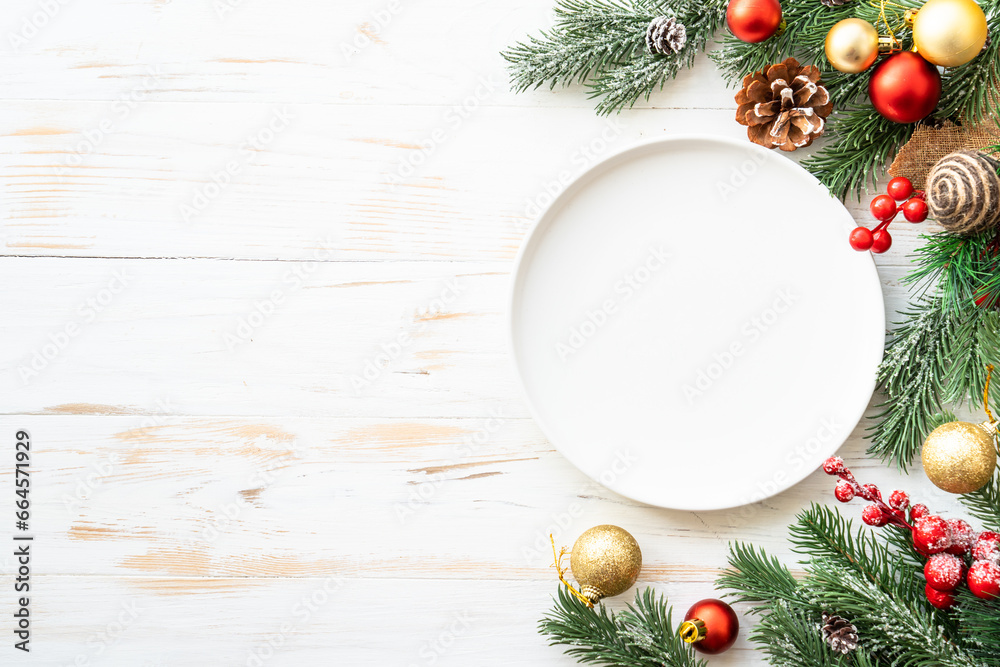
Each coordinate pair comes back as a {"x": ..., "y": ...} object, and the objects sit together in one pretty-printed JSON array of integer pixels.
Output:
[{"x": 963, "y": 192}]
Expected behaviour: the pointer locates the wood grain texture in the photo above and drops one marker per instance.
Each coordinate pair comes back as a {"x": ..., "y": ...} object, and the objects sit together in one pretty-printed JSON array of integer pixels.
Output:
[{"x": 255, "y": 273}]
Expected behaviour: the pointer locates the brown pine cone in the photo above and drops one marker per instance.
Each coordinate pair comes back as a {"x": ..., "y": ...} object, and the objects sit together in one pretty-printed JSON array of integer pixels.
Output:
[
  {"x": 783, "y": 106},
  {"x": 839, "y": 634}
]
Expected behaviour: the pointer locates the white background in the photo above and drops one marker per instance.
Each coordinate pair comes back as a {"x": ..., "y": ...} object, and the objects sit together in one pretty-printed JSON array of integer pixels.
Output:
[{"x": 210, "y": 479}]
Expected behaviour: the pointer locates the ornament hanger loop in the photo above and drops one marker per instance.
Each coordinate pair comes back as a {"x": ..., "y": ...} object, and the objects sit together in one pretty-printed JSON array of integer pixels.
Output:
[
  {"x": 558, "y": 557},
  {"x": 986, "y": 394},
  {"x": 893, "y": 44}
]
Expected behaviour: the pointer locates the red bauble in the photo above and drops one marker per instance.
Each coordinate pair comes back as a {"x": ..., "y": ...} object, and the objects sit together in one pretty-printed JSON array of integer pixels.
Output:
[
  {"x": 873, "y": 516},
  {"x": 944, "y": 572},
  {"x": 984, "y": 579},
  {"x": 861, "y": 239},
  {"x": 883, "y": 208},
  {"x": 753, "y": 20},
  {"x": 844, "y": 491},
  {"x": 899, "y": 188},
  {"x": 987, "y": 546},
  {"x": 939, "y": 599},
  {"x": 931, "y": 535},
  {"x": 915, "y": 210},
  {"x": 905, "y": 88},
  {"x": 881, "y": 241},
  {"x": 962, "y": 537},
  {"x": 717, "y": 623}
]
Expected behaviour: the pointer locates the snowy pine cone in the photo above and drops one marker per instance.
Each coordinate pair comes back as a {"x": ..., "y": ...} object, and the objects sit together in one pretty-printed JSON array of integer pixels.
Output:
[
  {"x": 834, "y": 3},
  {"x": 839, "y": 634},
  {"x": 665, "y": 35}
]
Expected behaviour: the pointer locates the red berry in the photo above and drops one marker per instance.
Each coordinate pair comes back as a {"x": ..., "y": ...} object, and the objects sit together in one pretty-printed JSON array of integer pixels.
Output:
[
  {"x": 931, "y": 535},
  {"x": 873, "y": 516},
  {"x": 834, "y": 465},
  {"x": 944, "y": 572},
  {"x": 881, "y": 241},
  {"x": 899, "y": 188},
  {"x": 939, "y": 599},
  {"x": 871, "y": 492},
  {"x": 844, "y": 491},
  {"x": 917, "y": 511},
  {"x": 861, "y": 239},
  {"x": 883, "y": 208},
  {"x": 915, "y": 210},
  {"x": 898, "y": 500},
  {"x": 987, "y": 546},
  {"x": 984, "y": 579},
  {"x": 962, "y": 537}
]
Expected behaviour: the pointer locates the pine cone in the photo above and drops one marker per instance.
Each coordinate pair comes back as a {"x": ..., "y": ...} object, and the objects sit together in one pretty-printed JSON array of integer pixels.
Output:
[
  {"x": 839, "y": 634},
  {"x": 834, "y": 3},
  {"x": 665, "y": 35},
  {"x": 783, "y": 106}
]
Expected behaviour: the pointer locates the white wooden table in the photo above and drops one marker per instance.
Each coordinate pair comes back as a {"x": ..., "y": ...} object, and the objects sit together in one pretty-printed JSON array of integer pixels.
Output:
[{"x": 256, "y": 258}]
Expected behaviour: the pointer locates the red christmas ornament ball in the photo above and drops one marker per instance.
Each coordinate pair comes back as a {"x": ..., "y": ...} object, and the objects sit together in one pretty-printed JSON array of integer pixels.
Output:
[
  {"x": 753, "y": 20},
  {"x": 844, "y": 491},
  {"x": 931, "y": 535},
  {"x": 944, "y": 572},
  {"x": 905, "y": 88},
  {"x": 915, "y": 210},
  {"x": 939, "y": 599},
  {"x": 721, "y": 626},
  {"x": 984, "y": 579},
  {"x": 899, "y": 188},
  {"x": 881, "y": 241},
  {"x": 861, "y": 239},
  {"x": 883, "y": 208},
  {"x": 987, "y": 546}
]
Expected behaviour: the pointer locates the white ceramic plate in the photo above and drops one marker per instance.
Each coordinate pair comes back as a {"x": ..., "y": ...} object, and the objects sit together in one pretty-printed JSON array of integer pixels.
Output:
[{"x": 690, "y": 325}]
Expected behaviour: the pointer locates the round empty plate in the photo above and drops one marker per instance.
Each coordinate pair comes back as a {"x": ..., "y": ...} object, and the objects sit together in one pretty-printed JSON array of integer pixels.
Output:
[{"x": 690, "y": 325}]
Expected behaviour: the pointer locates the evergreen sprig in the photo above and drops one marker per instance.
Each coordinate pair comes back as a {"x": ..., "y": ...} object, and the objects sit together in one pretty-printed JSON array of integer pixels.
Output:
[
  {"x": 984, "y": 504},
  {"x": 641, "y": 636},
  {"x": 602, "y": 43}
]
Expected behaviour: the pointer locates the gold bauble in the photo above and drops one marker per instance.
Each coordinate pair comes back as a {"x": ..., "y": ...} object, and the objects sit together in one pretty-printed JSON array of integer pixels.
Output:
[
  {"x": 605, "y": 561},
  {"x": 852, "y": 45},
  {"x": 949, "y": 33},
  {"x": 960, "y": 457}
]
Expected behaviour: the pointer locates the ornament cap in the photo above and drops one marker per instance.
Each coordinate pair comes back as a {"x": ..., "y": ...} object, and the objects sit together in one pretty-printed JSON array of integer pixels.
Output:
[
  {"x": 592, "y": 593},
  {"x": 693, "y": 630}
]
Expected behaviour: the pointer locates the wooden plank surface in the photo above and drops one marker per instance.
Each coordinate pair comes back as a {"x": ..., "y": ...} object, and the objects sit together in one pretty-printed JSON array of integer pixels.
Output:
[{"x": 256, "y": 260}]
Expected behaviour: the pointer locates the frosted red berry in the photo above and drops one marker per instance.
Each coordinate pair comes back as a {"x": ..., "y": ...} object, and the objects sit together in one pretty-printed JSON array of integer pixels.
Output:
[
  {"x": 899, "y": 188},
  {"x": 873, "y": 516},
  {"x": 987, "y": 546},
  {"x": 944, "y": 572},
  {"x": 939, "y": 599},
  {"x": 861, "y": 239},
  {"x": 984, "y": 579},
  {"x": 931, "y": 535},
  {"x": 917, "y": 511},
  {"x": 871, "y": 492},
  {"x": 833, "y": 465},
  {"x": 881, "y": 241},
  {"x": 844, "y": 491},
  {"x": 883, "y": 208},
  {"x": 915, "y": 210},
  {"x": 899, "y": 500},
  {"x": 962, "y": 537}
]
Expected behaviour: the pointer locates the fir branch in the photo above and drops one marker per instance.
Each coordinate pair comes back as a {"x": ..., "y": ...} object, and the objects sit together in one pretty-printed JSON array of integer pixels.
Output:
[
  {"x": 984, "y": 504},
  {"x": 980, "y": 623},
  {"x": 856, "y": 149},
  {"x": 794, "y": 639},
  {"x": 642, "y": 636},
  {"x": 759, "y": 579},
  {"x": 961, "y": 267}
]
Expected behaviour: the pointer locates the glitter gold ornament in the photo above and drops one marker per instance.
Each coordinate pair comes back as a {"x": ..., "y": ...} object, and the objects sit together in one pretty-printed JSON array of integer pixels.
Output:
[
  {"x": 949, "y": 33},
  {"x": 605, "y": 561},
  {"x": 852, "y": 45},
  {"x": 960, "y": 457}
]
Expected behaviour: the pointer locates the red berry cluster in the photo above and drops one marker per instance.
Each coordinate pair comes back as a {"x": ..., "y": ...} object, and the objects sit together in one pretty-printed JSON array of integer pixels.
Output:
[
  {"x": 885, "y": 210},
  {"x": 948, "y": 544}
]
